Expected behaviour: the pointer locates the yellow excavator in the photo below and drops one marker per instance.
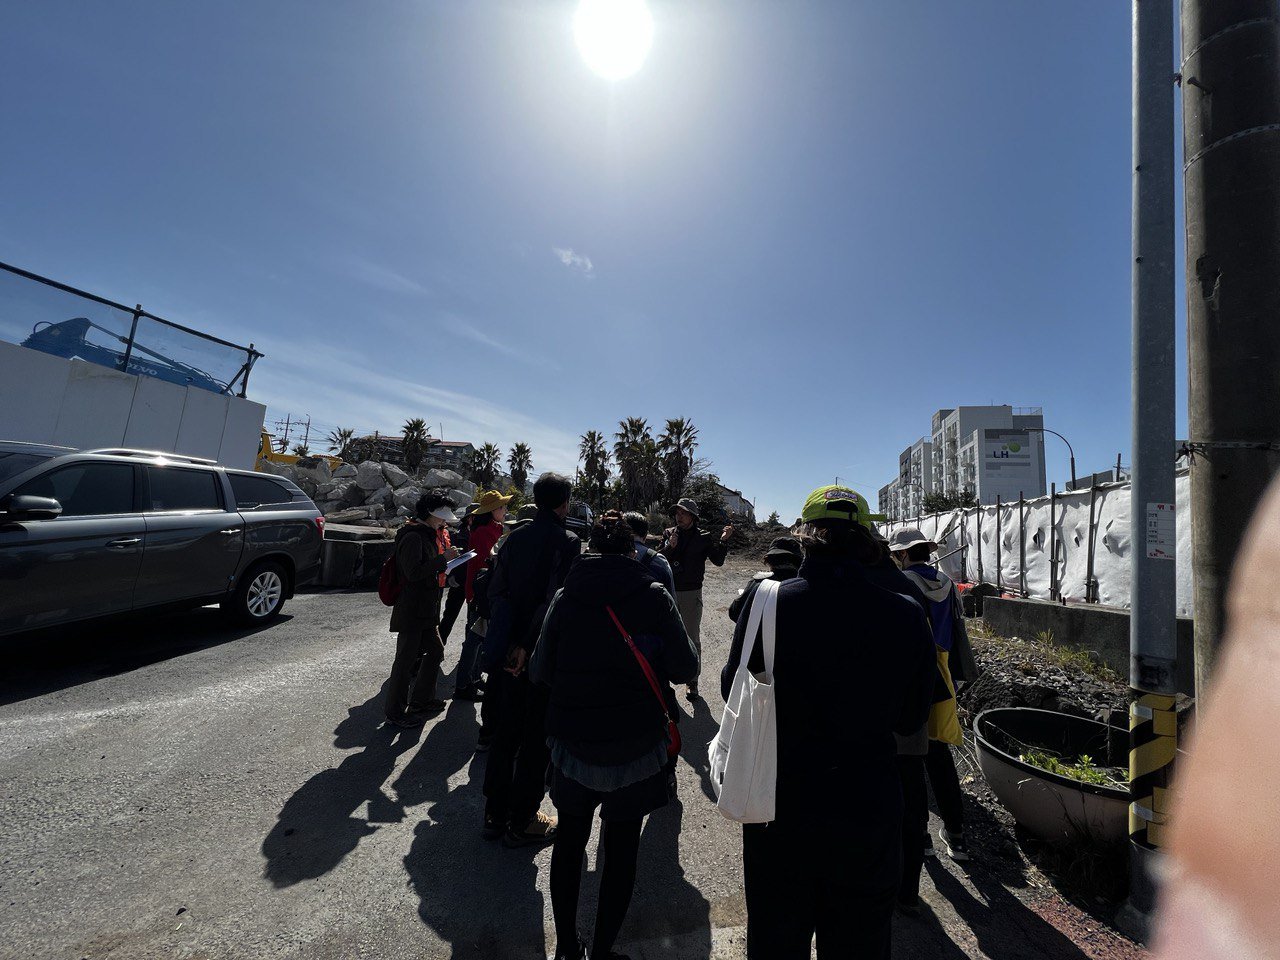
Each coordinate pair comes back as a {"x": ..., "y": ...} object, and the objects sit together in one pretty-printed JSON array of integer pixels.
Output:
[{"x": 267, "y": 451}]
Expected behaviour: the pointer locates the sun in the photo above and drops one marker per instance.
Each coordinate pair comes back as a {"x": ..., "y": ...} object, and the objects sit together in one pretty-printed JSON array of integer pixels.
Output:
[{"x": 613, "y": 36}]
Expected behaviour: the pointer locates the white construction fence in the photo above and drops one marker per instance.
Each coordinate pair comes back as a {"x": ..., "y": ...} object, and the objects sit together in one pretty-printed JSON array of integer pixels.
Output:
[{"x": 1090, "y": 534}]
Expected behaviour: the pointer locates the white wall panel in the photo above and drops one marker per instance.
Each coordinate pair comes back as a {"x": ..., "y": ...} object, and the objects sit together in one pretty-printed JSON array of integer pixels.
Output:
[
  {"x": 95, "y": 408},
  {"x": 32, "y": 385}
]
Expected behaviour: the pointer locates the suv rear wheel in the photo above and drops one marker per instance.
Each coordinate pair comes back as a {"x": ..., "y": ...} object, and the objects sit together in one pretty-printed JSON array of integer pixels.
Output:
[{"x": 259, "y": 595}]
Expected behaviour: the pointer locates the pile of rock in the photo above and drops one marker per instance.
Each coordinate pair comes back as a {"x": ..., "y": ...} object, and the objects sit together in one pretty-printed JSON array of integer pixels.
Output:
[{"x": 370, "y": 494}]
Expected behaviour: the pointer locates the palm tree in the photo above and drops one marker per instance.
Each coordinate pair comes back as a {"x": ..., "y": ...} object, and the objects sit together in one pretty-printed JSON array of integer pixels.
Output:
[
  {"x": 595, "y": 464},
  {"x": 639, "y": 462},
  {"x": 301, "y": 450},
  {"x": 520, "y": 461},
  {"x": 676, "y": 444},
  {"x": 483, "y": 464},
  {"x": 339, "y": 440},
  {"x": 416, "y": 439}
]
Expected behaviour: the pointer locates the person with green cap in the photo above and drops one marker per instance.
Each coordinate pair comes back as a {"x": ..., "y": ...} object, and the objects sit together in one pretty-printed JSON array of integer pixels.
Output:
[
  {"x": 688, "y": 548},
  {"x": 853, "y": 665}
]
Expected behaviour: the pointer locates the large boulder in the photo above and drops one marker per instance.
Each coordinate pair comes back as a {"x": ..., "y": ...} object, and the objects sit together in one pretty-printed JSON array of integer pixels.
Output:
[
  {"x": 353, "y": 495},
  {"x": 444, "y": 478},
  {"x": 308, "y": 485},
  {"x": 394, "y": 475},
  {"x": 345, "y": 472},
  {"x": 458, "y": 498},
  {"x": 324, "y": 491},
  {"x": 278, "y": 469},
  {"x": 382, "y": 496},
  {"x": 350, "y": 515},
  {"x": 469, "y": 488},
  {"x": 369, "y": 476},
  {"x": 406, "y": 497},
  {"x": 316, "y": 468}
]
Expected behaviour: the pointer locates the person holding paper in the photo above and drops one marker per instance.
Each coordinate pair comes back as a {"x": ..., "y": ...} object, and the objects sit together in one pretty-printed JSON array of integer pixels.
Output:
[
  {"x": 415, "y": 617},
  {"x": 486, "y": 530}
]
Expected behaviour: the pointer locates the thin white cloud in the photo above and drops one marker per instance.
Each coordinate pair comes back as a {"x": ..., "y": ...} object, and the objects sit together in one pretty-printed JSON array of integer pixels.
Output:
[
  {"x": 333, "y": 388},
  {"x": 575, "y": 261},
  {"x": 384, "y": 278}
]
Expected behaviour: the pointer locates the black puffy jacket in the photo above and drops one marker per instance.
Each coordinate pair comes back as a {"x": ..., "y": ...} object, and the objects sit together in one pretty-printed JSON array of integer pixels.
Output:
[{"x": 601, "y": 704}]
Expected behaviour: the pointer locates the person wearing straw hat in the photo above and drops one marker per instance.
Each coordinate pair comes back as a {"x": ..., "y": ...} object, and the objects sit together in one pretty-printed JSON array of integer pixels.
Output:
[
  {"x": 913, "y": 551},
  {"x": 853, "y": 664},
  {"x": 688, "y": 548},
  {"x": 415, "y": 616},
  {"x": 486, "y": 531}
]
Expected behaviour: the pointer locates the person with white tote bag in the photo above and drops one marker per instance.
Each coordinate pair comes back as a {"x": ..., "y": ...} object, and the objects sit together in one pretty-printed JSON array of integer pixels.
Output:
[{"x": 822, "y": 672}]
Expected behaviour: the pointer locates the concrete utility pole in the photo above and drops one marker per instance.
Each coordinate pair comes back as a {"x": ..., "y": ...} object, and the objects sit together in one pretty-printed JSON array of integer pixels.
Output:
[
  {"x": 1231, "y": 128},
  {"x": 1153, "y": 591}
]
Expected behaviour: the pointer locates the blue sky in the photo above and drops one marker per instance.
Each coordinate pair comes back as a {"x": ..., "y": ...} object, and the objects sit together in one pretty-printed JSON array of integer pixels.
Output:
[{"x": 804, "y": 225}]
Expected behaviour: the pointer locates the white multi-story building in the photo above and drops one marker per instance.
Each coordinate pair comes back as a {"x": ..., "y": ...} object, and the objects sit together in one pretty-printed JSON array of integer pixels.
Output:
[{"x": 991, "y": 451}]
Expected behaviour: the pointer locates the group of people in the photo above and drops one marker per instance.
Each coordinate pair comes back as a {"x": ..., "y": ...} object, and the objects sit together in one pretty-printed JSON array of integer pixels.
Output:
[{"x": 580, "y": 653}]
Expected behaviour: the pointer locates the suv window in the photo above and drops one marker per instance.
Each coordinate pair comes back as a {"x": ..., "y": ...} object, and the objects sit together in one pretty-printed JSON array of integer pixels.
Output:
[
  {"x": 86, "y": 489},
  {"x": 255, "y": 491},
  {"x": 176, "y": 489},
  {"x": 12, "y": 464}
]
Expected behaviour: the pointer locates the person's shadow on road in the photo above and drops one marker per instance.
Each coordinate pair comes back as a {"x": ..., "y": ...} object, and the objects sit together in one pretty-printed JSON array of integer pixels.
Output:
[
  {"x": 317, "y": 827},
  {"x": 479, "y": 897},
  {"x": 696, "y": 733}
]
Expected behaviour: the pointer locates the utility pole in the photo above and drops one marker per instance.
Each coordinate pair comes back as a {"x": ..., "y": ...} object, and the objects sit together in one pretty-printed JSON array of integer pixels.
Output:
[
  {"x": 284, "y": 441},
  {"x": 306, "y": 440},
  {"x": 1231, "y": 130},
  {"x": 1152, "y": 600}
]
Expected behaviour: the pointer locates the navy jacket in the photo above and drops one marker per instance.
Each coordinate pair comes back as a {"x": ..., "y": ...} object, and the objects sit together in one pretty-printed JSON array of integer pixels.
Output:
[{"x": 854, "y": 664}]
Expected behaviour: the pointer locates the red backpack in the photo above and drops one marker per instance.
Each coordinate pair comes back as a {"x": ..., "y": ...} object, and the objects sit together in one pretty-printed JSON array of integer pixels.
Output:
[{"x": 389, "y": 584}]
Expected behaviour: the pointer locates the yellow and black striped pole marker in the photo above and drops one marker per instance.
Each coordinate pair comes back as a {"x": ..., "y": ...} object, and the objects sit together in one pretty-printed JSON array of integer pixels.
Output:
[{"x": 1153, "y": 740}]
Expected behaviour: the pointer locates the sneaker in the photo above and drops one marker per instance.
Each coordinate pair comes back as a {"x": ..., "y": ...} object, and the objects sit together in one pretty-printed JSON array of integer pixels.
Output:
[
  {"x": 493, "y": 827},
  {"x": 957, "y": 849},
  {"x": 691, "y": 693},
  {"x": 473, "y": 694},
  {"x": 928, "y": 845},
  {"x": 408, "y": 721},
  {"x": 541, "y": 829},
  {"x": 577, "y": 952}
]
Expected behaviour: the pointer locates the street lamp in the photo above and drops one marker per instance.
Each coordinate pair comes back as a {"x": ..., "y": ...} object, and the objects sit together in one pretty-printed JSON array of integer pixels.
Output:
[{"x": 1071, "y": 452}]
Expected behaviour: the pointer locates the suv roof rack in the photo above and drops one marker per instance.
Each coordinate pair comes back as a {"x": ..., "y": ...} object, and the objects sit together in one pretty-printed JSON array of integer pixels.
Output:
[{"x": 158, "y": 454}]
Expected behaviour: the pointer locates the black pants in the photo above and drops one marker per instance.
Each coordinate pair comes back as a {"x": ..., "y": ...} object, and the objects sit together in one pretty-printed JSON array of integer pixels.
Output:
[
  {"x": 414, "y": 673},
  {"x": 515, "y": 779},
  {"x": 915, "y": 824},
  {"x": 452, "y": 607},
  {"x": 821, "y": 877},
  {"x": 941, "y": 767},
  {"x": 619, "y": 847}
]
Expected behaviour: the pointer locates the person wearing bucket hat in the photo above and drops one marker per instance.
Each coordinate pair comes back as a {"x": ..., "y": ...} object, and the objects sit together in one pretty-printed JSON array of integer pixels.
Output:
[
  {"x": 853, "y": 665},
  {"x": 421, "y": 552},
  {"x": 486, "y": 530},
  {"x": 687, "y": 548},
  {"x": 913, "y": 551},
  {"x": 783, "y": 560}
]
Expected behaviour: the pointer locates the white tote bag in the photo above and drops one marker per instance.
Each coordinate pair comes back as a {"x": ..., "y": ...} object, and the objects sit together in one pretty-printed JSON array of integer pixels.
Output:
[{"x": 744, "y": 754}]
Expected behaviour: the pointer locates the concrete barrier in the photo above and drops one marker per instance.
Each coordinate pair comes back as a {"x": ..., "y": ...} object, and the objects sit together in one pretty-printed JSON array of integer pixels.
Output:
[{"x": 1104, "y": 630}]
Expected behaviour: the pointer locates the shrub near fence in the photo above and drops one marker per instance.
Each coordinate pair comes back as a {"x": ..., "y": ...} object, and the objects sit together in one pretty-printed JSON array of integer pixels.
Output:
[{"x": 1090, "y": 534}]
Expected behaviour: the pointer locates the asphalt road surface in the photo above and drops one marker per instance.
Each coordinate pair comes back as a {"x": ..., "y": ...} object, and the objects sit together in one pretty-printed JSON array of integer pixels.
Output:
[{"x": 170, "y": 787}]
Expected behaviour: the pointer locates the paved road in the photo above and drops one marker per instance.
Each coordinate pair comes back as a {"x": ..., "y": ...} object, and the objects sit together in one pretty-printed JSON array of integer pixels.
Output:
[{"x": 173, "y": 788}]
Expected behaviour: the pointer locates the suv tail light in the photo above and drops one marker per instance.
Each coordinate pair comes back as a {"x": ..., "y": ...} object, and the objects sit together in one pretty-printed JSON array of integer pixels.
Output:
[{"x": 320, "y": 526}]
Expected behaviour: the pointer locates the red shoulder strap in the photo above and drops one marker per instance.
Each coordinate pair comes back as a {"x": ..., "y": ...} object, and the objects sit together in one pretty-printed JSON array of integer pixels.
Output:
[{"x": 640, "y": 659}]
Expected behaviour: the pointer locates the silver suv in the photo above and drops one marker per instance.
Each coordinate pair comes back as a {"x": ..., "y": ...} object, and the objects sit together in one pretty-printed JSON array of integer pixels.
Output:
[{"x": 91, "y": 533}]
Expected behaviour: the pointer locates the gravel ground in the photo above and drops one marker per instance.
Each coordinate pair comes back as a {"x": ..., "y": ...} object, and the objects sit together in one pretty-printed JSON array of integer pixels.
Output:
[{"x": 173, "y": 788}]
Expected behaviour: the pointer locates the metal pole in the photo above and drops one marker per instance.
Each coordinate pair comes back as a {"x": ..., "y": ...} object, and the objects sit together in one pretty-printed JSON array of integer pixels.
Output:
[
  {"x": 1022, "y": 544},
  {"x": 964, "y": 543},
  {"x": 1090, "y": 590},
  {"x": 999, "y": 548},
  {"x": 1231, "y": 129},
  {"x": 133, "y": 332},
  {"x": 982, "y": 575},
  {"x": 1152, "y": 620},
  {"x": 1053, "y": 541}
]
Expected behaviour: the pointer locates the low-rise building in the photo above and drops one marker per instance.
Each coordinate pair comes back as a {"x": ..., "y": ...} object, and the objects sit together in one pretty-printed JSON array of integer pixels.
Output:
[{"x": 738, "y": 507}]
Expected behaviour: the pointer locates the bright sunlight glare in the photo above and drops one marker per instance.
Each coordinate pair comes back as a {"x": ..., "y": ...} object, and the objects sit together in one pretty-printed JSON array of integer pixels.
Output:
[{"x": 613, "y": 36}]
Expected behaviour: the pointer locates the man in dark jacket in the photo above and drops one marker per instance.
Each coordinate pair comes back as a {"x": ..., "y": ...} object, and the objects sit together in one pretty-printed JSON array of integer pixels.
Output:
[
  {"x": 457, "y": 595},
  {"x": 783, "y": 560},
  {"x": 688, "y": 549},
  {"x": 415, "y": 617},
  {"x": 853, "y": 665},
  {"x": 531, "y": 567}
]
